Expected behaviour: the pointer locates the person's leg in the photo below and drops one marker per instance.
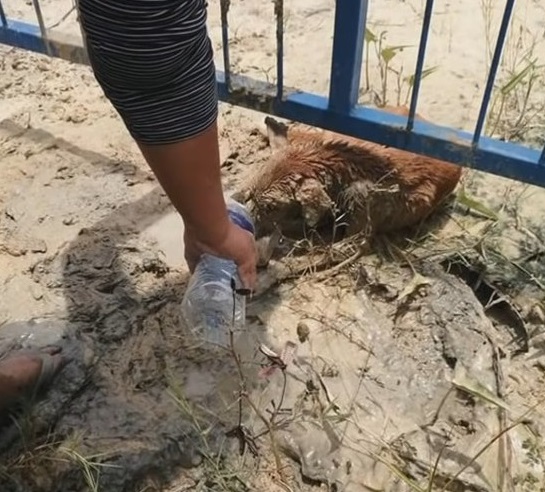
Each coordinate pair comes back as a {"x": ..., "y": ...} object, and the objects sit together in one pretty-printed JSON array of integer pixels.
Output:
[
  {"x": 189, "y": 172},
  {"x": 154, "y": 62}
]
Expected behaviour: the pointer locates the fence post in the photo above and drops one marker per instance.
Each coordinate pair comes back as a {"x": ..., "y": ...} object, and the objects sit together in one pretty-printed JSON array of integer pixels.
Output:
[
  {"x": 348, "y": 37},
  {"x": 3, "y": 19},
  {"x": 420, "y": 63}
]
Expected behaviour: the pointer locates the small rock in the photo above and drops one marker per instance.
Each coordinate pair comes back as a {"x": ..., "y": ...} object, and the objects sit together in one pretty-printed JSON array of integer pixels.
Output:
[
  {"x": 19, "y": 65},
  {"x": 14, "y": 249},
  {"x": 76, "y": 117},
  {"x": 36, "y": 292},
  {"x": 29, "y": 153},
  {"x": 38, "y": 246},
  {"x": 536, "y": 315},
  {"x": 10, "y": 213},
  {"x": 20, "y": 245},
  {"x": 303, "y": 331}
]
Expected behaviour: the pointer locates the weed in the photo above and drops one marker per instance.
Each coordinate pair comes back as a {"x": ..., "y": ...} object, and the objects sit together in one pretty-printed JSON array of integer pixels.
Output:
[
  {"x": 517, "y": 106},
  {"x": 89, "y": 465},
  {"x": 487, "y": 9},
  {"x": 40, "y": 456},
  {"x": 385, "y": 56}
]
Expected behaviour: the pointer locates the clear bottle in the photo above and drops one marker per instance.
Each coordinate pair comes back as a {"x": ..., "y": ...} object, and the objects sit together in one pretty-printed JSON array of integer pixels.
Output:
[{"x": 209, "y": 306}]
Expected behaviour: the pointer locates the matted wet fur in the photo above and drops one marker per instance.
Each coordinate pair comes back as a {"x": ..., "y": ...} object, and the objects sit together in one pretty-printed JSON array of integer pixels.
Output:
[{"x": 317, "y": 177}]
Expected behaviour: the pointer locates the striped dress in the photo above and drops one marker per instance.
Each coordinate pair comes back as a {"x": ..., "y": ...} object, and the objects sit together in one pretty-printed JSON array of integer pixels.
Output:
[{"x": 154, "y": 62}]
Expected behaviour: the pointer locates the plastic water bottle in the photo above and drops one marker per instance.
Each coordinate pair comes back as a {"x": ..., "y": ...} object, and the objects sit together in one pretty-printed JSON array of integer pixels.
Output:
[{"x": 210, "y": 307}]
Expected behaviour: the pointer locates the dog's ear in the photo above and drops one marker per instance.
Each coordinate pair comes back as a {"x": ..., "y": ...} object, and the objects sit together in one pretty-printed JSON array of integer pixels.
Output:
[
  {"x": 277, "y": 133},
  {"x": 241, "y": 195},
  {"x": 266, "y": 247}
]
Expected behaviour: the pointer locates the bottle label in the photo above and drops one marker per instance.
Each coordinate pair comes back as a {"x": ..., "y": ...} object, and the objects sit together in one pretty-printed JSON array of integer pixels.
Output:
[{"x": 241, "y": 221}]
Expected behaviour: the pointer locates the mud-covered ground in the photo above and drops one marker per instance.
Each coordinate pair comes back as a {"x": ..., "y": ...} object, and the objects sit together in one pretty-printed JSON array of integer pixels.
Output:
[{"x": 402, "y": 367}]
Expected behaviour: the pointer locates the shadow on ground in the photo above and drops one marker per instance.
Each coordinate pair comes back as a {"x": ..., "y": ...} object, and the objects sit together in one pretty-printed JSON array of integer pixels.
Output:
[{"x": 130, "y": 358}]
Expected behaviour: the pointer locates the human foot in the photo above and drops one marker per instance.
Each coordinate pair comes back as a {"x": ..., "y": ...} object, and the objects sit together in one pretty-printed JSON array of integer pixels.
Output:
[{"x": 27, "y": 372}]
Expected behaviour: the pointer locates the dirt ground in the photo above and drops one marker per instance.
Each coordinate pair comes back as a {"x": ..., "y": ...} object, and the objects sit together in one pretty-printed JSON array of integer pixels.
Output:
[{"x": 409, "y": 365}]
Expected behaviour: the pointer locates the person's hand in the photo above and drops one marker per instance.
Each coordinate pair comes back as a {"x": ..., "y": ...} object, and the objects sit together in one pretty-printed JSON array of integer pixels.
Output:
[{"x": 238, "y": 245}]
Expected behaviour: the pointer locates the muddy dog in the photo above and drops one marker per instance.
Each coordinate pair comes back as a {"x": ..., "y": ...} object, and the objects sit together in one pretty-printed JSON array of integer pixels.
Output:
[{"x": 319, "y": 179}]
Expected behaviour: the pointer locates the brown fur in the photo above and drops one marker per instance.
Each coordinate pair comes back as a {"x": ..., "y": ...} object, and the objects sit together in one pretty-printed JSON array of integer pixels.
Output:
[{"x": 314, "y": 175}]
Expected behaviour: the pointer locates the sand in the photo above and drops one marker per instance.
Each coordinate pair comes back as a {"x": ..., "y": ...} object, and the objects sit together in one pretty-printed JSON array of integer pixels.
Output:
[{"x": 88, "y": 240}]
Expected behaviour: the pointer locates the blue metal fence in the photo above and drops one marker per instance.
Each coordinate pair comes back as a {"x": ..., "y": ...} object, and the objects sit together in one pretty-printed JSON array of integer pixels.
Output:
[{"x": 339, "y": 112}]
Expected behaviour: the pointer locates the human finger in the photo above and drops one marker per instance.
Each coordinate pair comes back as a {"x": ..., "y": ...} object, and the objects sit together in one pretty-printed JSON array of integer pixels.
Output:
[
  {"x": 248, "y": 275},
  {"x": 247, "y": 268}
]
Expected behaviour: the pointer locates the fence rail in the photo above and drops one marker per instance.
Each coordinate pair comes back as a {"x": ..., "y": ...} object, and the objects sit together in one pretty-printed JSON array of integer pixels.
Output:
[{"x": 339, "y": 112}]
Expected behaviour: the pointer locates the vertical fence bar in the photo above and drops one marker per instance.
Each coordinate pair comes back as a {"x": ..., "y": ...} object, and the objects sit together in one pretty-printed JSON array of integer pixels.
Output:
[
  {"x": 420, "y": 63},
  {"x": 224, "y": 9},
  {"x": 41, "y": 23},
  {"x": 279, "y": 13},
  {"x": 509, "y": 4},
  {"x": 350, "y": 20},
  {"x": 3, "y": 19}
]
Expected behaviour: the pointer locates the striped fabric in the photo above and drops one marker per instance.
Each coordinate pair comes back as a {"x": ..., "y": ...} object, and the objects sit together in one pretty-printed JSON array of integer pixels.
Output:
[{"x": 154, "y": 62}]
